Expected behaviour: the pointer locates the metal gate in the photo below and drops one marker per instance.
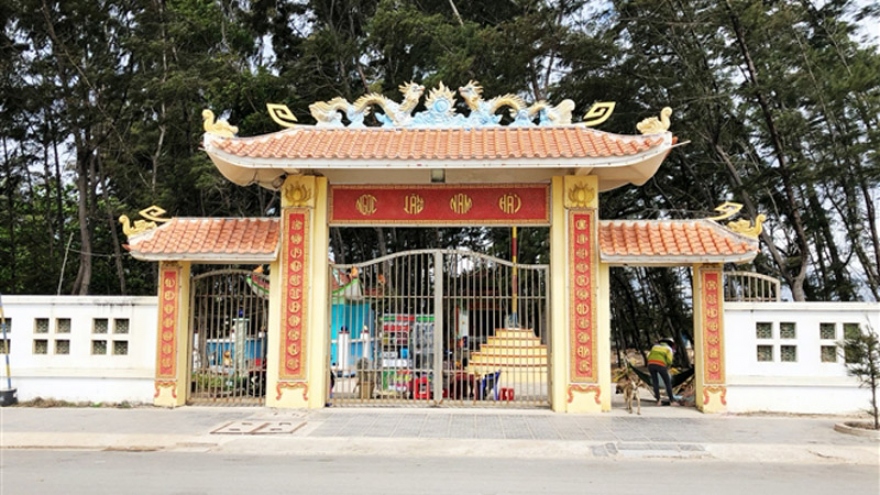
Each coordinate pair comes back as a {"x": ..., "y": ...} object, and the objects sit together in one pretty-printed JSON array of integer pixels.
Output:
[
  {"x": 439, "y": 327},
  {"x": 229, "y": 311}
]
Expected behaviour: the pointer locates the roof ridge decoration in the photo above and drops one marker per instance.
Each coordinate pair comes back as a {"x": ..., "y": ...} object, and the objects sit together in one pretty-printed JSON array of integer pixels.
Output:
[
  {"x": 743, "y": 226},
  {"x": 217, "y": 127},
  {"x": 440, "y": 110},
  {"x": 153, "y": 216},
  {"x": 653, "y": 125}
]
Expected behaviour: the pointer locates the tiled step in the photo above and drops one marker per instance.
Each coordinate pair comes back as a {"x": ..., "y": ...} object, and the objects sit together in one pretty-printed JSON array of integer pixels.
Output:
[
  {"x": 506, "y": 359},
  {"x": 512, "y": 350}
]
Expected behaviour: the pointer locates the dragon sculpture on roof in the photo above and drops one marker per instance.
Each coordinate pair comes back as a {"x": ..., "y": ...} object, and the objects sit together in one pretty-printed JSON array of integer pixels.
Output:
[
  {"x": 440, "y": 105},
  {"x": 330, "y": 113},
  {"x": 482, "y": 111}
]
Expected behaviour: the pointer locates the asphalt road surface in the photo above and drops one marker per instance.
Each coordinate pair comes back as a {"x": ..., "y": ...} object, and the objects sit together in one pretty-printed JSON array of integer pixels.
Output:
[{"x": 44, "y": 472}]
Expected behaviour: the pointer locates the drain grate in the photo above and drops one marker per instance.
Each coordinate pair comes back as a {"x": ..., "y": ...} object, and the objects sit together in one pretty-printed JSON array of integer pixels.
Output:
[
  {"x": 259, "y": 428},
  {"x": 642, "y": 450},
  {"x": 650, "y": 450}
]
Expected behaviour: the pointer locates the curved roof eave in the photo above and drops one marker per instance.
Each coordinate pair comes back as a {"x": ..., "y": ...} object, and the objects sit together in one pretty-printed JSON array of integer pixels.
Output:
[
  {"x": 659, "y": 261},
  {"x": 612, "y": 171}
]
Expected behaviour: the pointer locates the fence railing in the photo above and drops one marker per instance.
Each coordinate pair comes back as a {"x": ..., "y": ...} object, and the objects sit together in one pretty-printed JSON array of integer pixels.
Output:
[{"x": 750, "y": 287}]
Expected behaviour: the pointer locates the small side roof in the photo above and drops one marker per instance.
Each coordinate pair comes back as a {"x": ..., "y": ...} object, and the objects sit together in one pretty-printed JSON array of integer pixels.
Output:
[
  {"x": 209, "y": 240},
  {"x": 672, "y": 243},
  {"x": 621, "y": 242}
]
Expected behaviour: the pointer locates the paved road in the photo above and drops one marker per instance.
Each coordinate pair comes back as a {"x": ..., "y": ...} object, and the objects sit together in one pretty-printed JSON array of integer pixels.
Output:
[
  {"x": 658, "y": 433},
  {"x": 94, "y": 473}
]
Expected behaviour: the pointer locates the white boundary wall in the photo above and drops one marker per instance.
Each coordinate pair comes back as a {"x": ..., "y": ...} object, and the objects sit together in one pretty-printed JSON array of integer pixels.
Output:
[
  {"x": 795, "y": 380},
  {"x": 84, "y": 373},
  {"x": 81, "y": 348}
]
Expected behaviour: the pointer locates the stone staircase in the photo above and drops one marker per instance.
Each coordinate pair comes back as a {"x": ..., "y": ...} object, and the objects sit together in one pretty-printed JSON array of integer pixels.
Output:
[{"x": 517, "y": 352}]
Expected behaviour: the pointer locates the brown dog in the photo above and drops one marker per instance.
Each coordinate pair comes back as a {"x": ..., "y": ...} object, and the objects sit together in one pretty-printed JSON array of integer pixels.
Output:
[{"x": 628, "y": 384}]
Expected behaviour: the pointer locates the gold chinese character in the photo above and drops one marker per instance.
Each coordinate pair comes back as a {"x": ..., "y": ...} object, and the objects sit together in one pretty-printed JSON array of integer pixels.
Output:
[
  {"x": 366, "y": 204},
  {"x": 413, "y": 204},
  {"x": 460, "y": 203},
  {"x": 510, "y": 203}
]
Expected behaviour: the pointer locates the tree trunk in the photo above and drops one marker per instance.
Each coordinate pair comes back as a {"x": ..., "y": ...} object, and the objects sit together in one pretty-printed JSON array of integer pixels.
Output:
[
  {"x": 84, "y": 274},
  {"x": 797, "y": 283}
]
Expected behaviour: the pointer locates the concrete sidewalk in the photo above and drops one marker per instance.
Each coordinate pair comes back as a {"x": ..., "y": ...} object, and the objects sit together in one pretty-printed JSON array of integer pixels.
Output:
[{"x": 660, "y": 432}]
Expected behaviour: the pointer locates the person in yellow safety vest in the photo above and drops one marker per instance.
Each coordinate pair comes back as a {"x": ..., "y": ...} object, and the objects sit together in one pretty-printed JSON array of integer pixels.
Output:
[{"x": 659, "y": 360}]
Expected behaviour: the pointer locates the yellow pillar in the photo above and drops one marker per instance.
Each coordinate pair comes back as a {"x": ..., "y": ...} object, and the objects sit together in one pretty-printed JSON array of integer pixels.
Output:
[
  {"x": 172, "y": 344},
  {"x": 296, "y": 370},
  {"x": 603, "y": 339},
  {"x": 319, "y": 296},
  {"x": 558, "y": 301},
  {"x": 710, "y": 372},
  {"x": 581, "y": 383}
]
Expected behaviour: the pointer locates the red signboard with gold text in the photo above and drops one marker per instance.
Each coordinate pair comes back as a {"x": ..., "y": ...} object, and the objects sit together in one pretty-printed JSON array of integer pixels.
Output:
[
  {"x": 169, "y": 299},
  {"x": 440, "y": 205},
  {"x": 712, "y": 327},
  {"x": 295, "y": 259},
  {"x": 583, "y": 304}
]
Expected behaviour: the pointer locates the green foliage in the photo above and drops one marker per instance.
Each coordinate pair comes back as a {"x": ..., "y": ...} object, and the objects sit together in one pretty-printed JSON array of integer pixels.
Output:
[
  {"x": 862, "y": 357},
  {"x": 778, "y": 102}
]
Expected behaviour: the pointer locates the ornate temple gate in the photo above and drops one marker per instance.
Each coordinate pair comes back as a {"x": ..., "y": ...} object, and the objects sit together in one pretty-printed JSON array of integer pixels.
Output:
[
  {"x": 439, "y": 327},
  {"x": 229, "y": 317},
  {"x": 433, "y": 168}
]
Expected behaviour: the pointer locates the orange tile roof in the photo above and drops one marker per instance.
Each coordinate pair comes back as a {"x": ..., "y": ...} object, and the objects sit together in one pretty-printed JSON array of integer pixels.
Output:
[
  {"x": 209, "y": 239},
  {"x": 438, "y": 144},
  {"x": 671, "y": 242},
  {"x": 635, "y": 242}
]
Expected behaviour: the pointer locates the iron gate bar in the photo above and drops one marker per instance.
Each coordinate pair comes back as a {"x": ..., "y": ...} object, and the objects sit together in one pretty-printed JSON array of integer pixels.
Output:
[
  {"x": 447, "y": 294},
  {"x": 438, "y": 324},
  {"x": 227, "y": 341}
]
